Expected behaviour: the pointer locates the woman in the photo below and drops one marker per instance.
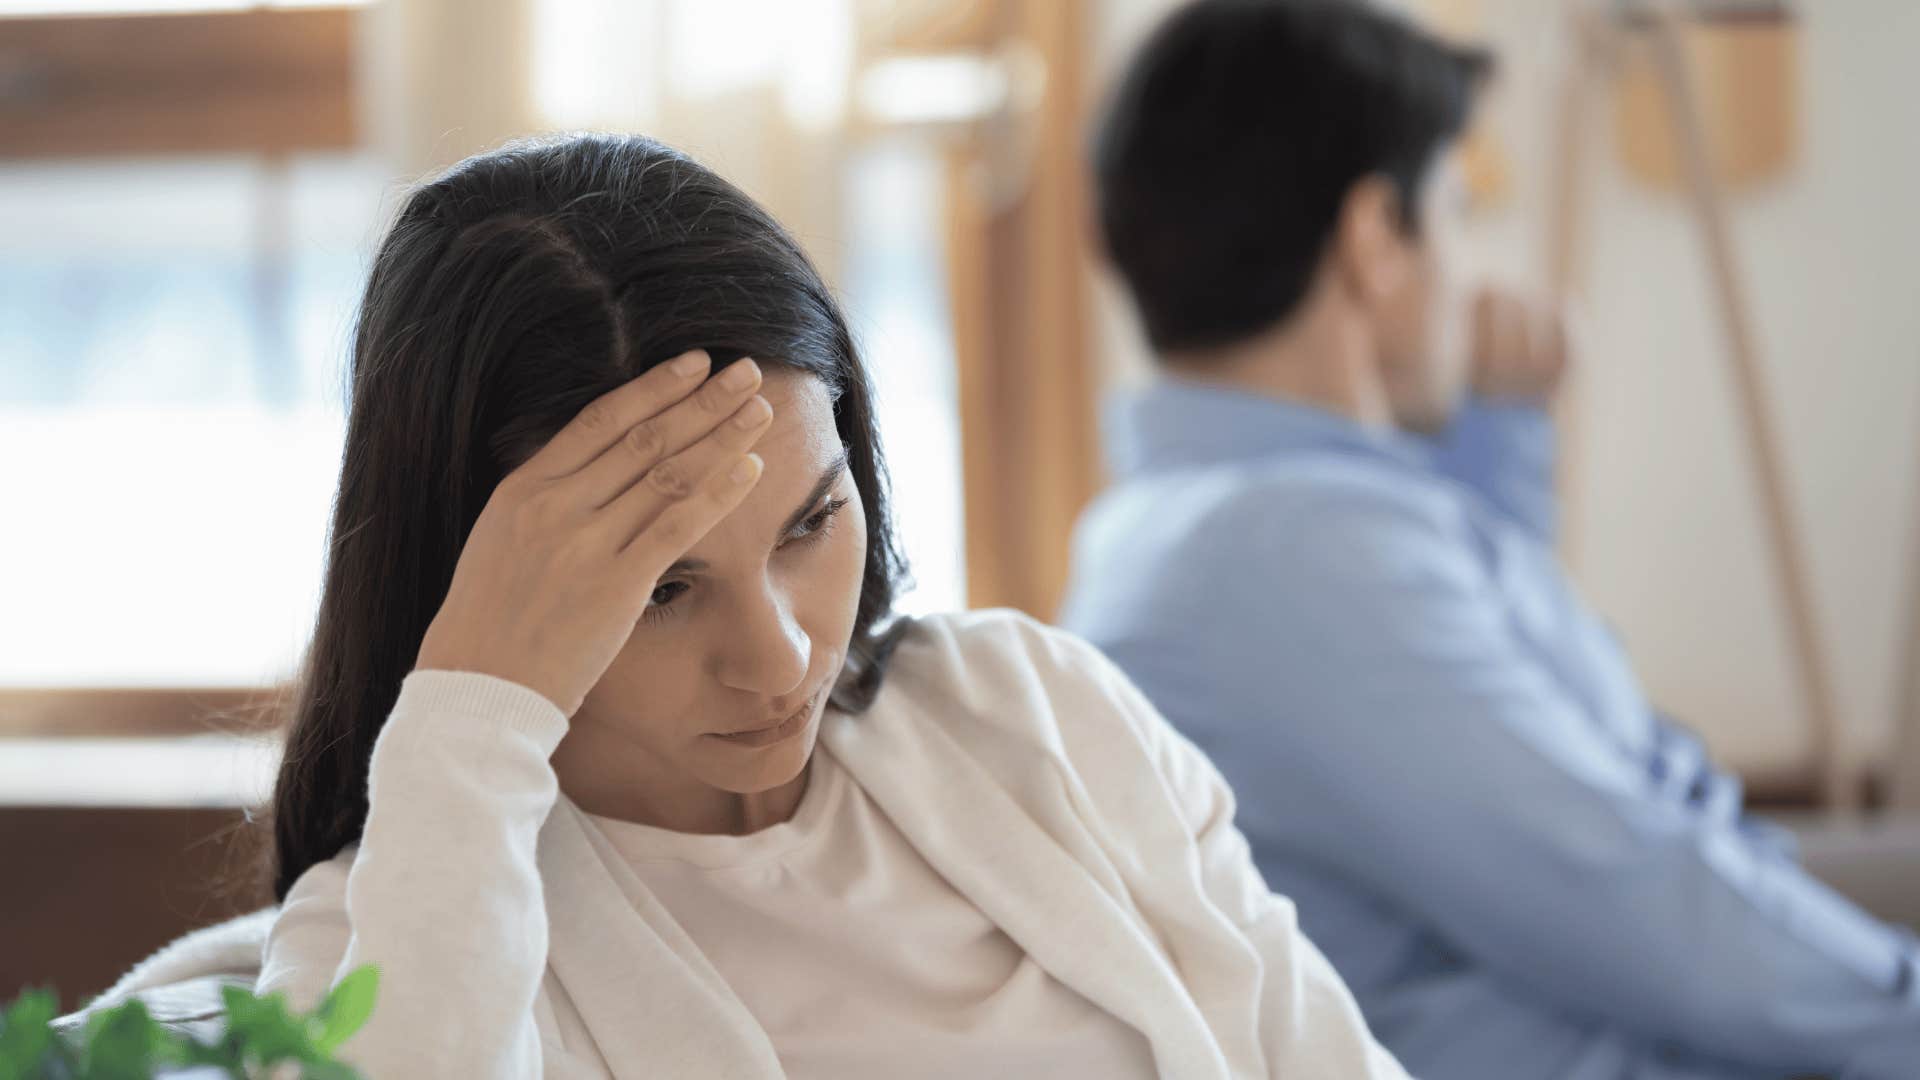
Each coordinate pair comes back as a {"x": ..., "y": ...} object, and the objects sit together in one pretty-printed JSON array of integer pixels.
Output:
[{"x": 607, "y": 754}]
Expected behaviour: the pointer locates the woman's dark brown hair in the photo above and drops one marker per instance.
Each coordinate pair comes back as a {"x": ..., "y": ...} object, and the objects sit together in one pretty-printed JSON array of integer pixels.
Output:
[{"x": 510, "y": 292}]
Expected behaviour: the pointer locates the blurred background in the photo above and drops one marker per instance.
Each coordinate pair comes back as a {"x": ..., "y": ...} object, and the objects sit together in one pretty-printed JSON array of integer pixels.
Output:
[{"x": 190, "y": 193}]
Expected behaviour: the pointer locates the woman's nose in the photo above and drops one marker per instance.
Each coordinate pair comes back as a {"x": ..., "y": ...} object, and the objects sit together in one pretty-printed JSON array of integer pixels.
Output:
[{"x": 766, "y": 651}]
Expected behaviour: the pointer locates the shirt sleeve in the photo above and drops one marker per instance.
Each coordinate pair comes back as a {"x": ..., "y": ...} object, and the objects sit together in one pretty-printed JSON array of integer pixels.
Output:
[
  {"x": 1309, "y": 1022},
  {"x": 443, "y": 894},
  {"x": 1432, "y": 755},
  {"x": 1505, "y": 452}
]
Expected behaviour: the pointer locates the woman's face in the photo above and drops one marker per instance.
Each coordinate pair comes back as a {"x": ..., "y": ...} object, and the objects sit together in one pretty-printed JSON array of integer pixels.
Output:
[{"x": 722, "y": 683}]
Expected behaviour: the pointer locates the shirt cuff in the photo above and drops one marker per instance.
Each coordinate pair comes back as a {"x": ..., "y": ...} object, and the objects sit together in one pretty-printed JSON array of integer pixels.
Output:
[{"x": 483, "y": 698}]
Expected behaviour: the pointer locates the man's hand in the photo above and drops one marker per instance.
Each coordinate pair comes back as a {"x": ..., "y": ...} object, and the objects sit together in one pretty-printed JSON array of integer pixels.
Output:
[{"x": 1521, "y": 348}]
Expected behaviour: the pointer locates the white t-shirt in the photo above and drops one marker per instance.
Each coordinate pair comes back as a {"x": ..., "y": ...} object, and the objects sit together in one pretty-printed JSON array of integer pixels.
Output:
[{"x": 859, "y": 960}]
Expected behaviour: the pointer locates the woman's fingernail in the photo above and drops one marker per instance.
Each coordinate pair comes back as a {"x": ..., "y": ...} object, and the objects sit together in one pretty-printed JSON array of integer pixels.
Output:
[
  {"x": 690, "y": 365},
  {"x": 740, "y": 375},
  {"x": 753, "y": 413},
  {"x": 745, "y": 469}
]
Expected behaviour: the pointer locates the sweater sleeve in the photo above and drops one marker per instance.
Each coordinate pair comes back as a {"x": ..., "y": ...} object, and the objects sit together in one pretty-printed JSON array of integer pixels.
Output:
[
  {"x": 443, "y": 894},
  {"x": 1308, "y": 1018},
  {"x": 1309, "y": 1021},
  {"x": 1504, "y": 451}
]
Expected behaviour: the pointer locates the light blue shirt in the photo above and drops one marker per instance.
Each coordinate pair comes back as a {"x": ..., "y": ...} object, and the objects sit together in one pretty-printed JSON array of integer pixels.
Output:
[{"x": 1445, "y": 760}]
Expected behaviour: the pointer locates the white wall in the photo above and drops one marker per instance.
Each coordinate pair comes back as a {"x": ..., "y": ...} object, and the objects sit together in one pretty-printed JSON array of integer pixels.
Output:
[{"x": 1665, "y": 524}]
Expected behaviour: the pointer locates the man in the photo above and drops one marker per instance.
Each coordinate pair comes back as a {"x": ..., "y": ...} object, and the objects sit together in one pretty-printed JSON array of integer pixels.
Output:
[{"x": 1327, "y": 558}]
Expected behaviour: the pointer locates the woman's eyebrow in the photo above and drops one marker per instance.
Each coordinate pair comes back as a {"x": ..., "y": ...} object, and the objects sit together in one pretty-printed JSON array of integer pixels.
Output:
[{"x": 828, "y": 477}]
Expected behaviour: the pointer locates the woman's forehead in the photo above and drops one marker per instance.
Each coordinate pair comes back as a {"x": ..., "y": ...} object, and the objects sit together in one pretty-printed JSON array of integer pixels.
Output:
[
  {"x": 801, "y": 444},
  {"x": 802, "y": 436}
]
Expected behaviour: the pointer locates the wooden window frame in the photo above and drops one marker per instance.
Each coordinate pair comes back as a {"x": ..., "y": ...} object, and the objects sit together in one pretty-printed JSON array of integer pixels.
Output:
[{"x": 265, "y": 82}]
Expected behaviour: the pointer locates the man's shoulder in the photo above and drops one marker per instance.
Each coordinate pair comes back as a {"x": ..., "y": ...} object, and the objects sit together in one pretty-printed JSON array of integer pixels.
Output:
[
  {"x": 1286, "y": 542},
  {"x": 1299, "y": 500}
]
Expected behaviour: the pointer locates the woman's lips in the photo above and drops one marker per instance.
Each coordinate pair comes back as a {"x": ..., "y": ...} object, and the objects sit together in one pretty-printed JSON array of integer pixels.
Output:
[{"x": 779, "y": 732}]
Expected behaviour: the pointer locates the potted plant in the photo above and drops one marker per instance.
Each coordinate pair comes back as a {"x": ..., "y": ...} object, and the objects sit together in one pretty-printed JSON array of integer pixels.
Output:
[{"x": 259, "y": 1038}]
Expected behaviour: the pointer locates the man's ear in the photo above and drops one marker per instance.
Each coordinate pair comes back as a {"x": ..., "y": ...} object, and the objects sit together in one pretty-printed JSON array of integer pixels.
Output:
[{"x": 1370, "y": 245}]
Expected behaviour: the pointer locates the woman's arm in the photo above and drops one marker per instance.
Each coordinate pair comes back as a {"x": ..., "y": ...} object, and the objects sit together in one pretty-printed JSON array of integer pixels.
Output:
[{"x": 443, "y": 894}]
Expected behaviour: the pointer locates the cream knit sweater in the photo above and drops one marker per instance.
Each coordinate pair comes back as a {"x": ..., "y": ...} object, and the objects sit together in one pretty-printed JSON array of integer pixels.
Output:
[{"x": 514, "y": 941}]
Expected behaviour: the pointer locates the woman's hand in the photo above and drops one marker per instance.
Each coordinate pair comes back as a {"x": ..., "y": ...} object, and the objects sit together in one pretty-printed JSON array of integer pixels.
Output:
[{"x": 570, "y": 546}]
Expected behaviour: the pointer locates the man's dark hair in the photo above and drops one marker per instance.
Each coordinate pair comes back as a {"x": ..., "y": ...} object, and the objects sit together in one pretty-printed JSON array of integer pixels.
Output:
[{"x": 1240, "y": 127}]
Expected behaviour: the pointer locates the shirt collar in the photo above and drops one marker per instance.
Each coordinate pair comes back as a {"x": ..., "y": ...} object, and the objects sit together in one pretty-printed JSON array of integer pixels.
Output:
[{"x": 1176, "y": 422}]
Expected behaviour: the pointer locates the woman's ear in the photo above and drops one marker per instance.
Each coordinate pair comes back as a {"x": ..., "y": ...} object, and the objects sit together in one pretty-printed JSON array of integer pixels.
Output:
[{"x": 1371, "y": 251}]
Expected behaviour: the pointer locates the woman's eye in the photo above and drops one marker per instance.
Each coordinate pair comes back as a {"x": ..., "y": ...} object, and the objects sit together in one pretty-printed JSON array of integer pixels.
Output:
[
  {"x": 817, "y": 524},
  {"x": 664, "y": 594}
]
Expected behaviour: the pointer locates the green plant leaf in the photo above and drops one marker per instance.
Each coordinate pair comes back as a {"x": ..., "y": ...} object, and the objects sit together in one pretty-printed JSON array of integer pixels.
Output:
[
  {"x": 122, "y": 1043},
  {"x": 272, "y": 1034},
  {"x": 25, "y": 1037},
  {"x": 126, "y": 1043},
  {"x": 347, "y": 1007},
  {"x": 328, "y": 1070},
  {"x": 240, "y": 1007},
  {"x": 193, "y": 1052}
]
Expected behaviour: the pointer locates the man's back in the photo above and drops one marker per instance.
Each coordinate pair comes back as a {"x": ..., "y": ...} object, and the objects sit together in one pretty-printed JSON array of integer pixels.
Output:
[{"x": 1445, "y": 760}]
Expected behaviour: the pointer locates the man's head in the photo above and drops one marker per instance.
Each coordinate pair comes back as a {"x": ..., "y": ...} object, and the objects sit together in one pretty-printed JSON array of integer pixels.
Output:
[{"x": 1262, "y": 157}]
